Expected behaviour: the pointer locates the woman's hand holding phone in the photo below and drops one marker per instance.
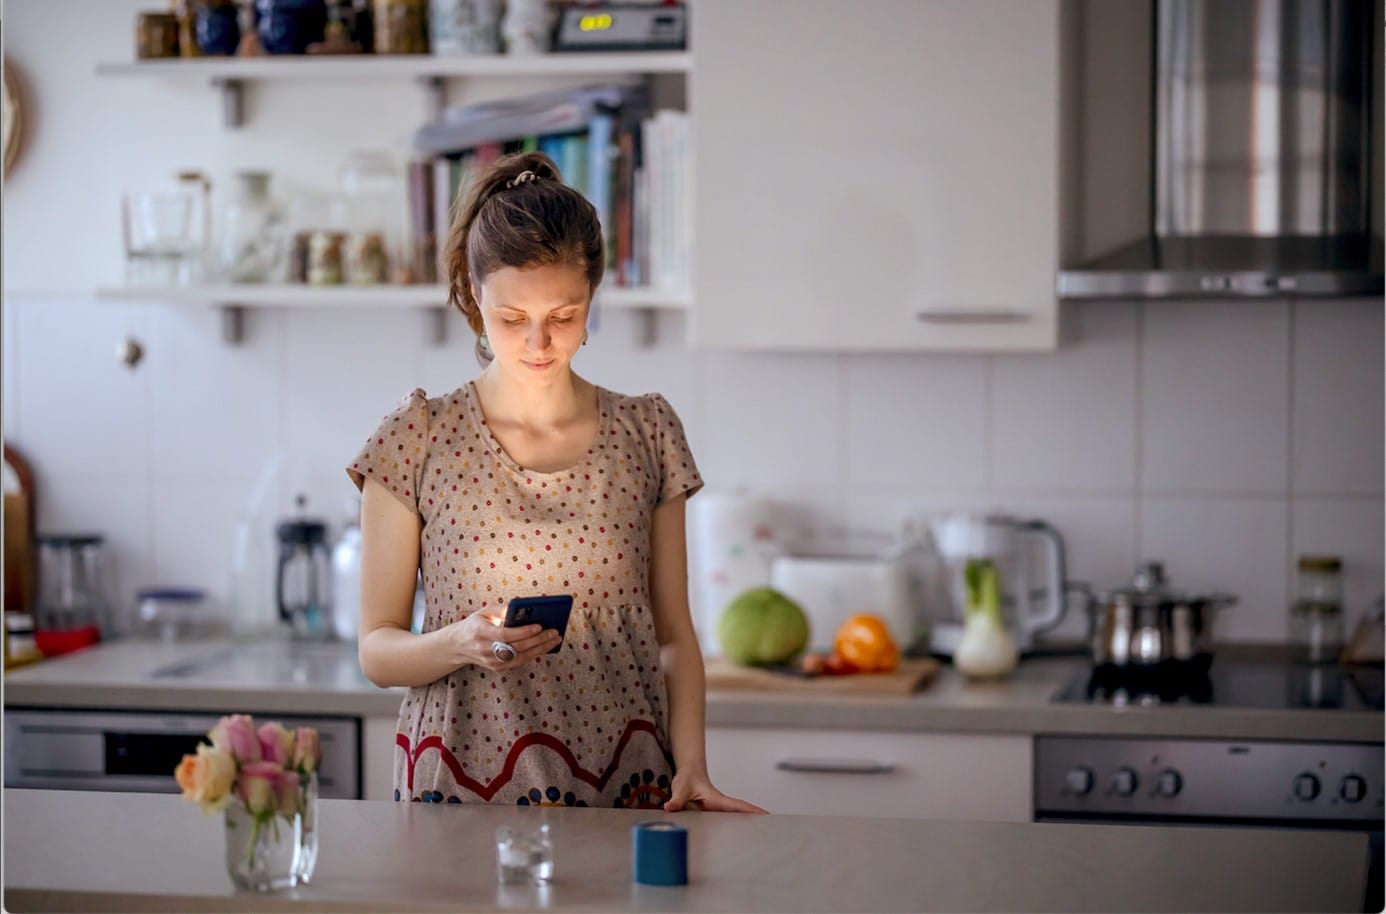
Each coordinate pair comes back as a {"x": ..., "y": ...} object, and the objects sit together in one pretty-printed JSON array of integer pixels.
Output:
[{"x": 473, "y": 639}]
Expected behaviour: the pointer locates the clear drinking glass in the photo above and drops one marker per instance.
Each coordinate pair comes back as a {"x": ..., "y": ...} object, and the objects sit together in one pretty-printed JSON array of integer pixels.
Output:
[
  {"x": 524, "y": 854},
  {"x": 161, "y": 234}
]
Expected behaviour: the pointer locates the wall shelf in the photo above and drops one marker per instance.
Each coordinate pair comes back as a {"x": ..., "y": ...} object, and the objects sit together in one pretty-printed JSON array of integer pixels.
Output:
[
  {"x": 234, "y": 300},
  {"x": 230, "y": 74}
]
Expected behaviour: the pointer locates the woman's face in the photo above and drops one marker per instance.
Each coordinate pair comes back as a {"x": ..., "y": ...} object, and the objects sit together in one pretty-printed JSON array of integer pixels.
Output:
[{"x": 535, "y": 318}]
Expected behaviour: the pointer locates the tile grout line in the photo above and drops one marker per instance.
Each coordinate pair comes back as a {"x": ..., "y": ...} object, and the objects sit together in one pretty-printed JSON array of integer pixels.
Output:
[
  {"x": 151, "y": 500},
  {"x": 1137, "y": 493},
  {"x": 988, "y": 426},
  {"x": 1290, "y": 452},
  {"x": 843, "y": 449}
]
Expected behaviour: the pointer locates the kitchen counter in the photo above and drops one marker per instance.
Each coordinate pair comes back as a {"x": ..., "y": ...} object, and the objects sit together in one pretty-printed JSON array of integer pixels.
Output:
[
  {"x": 426, "y": 857},
  {"x": 279, "y": 677}
]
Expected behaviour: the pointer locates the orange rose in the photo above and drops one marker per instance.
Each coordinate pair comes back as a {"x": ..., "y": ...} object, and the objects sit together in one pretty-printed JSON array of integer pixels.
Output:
[{"x": 206, "y": 778}]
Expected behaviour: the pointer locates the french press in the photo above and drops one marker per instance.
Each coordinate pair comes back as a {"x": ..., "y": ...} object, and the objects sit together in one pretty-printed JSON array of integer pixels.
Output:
[{"x": 303, "y": 579}]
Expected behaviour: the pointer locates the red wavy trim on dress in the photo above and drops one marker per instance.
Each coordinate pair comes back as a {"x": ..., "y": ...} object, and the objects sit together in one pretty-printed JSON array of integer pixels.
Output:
[{"x": 487, "y": 791}]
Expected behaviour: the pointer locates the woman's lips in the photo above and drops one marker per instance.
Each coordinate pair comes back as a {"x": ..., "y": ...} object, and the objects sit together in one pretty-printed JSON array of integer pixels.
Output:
[{"x": 538, "y": 366}]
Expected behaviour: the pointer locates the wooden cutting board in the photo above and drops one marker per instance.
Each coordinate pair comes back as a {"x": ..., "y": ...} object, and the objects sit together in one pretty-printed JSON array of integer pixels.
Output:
[{"x": 909, "y": 677}]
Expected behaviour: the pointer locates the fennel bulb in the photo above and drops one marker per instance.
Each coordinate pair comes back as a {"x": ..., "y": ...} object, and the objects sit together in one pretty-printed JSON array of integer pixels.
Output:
[{"x": 987, "y": 649}]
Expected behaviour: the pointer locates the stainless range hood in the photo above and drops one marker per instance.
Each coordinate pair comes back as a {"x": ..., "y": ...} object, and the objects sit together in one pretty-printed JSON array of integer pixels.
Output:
[{"x": 1261, "y": 158}]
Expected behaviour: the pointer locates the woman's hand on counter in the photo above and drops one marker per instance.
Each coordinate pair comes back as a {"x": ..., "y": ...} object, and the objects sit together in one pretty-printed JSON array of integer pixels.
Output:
[{"x": 695, "y": 791}]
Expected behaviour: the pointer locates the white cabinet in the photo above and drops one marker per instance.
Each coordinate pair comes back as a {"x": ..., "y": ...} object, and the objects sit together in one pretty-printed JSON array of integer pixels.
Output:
[
  {"x": 978, "y": 777},
  {"x": 877, "y": 176},
  {"x": 378, "y": 757}
]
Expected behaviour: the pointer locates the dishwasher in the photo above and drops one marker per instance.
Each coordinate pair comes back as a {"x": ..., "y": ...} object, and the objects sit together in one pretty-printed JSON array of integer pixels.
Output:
[{"x": 137, "y": 751}]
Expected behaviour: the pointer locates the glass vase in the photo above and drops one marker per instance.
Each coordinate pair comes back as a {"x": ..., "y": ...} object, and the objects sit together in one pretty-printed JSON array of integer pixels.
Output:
[
  {"x": 273, "y": 852},
  {"x": 308, "y": 837}
]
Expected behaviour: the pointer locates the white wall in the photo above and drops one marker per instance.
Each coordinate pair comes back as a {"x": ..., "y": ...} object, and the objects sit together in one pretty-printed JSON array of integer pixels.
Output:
[{"x": 1224, "y": 438}]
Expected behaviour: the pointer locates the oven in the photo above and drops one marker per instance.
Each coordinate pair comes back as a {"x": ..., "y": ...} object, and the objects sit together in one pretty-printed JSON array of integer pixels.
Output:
[
  {"x": 72, "y": 749},
  {"x": 1217, "y": 782}
]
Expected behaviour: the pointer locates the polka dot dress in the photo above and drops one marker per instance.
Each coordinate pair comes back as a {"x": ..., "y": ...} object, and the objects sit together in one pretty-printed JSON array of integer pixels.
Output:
[{"x": 587, "y": 726}]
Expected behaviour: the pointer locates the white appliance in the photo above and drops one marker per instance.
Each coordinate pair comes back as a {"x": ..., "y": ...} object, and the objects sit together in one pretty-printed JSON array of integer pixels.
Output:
[
  {"x": 832, "y": 589},
  {"x": 733, "y": 538},
  {"x": 1030, "y": 603}
]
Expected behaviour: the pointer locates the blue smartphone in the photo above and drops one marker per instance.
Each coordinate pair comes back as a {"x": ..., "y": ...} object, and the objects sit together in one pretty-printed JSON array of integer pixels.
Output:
[{"x": 549, "y": 611}]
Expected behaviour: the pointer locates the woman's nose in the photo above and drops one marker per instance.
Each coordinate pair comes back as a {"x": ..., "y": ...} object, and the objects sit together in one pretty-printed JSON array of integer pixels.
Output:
[{"x": 538, "y": 339}]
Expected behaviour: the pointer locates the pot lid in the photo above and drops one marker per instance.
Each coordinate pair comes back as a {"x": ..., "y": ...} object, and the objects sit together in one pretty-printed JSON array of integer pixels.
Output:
[{"x": 1149, "y": 588}]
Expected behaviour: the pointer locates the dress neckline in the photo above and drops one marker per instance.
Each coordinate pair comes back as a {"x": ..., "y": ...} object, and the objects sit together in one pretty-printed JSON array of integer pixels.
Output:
[{"x": 479, "y": 416}]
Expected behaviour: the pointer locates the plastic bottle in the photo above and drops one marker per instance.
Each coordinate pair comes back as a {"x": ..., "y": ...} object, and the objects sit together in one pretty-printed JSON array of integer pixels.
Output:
[{"x": 346, "y": 575}]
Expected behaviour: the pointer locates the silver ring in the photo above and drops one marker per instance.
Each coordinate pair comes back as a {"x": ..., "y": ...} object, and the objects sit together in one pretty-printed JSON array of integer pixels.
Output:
[{"x": 502, "y": 651}]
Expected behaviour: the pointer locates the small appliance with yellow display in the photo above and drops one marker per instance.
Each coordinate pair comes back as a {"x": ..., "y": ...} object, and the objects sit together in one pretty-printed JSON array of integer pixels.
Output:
[{"x": 623, "y": 27}]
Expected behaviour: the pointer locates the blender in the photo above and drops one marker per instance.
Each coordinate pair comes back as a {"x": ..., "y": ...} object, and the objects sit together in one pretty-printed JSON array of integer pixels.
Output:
[
  {"x": 71, "y": 605},
  {"x": 1031, "y": 602}
]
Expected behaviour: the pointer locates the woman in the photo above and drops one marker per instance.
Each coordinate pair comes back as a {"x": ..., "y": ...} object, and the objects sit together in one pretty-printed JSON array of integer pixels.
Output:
[{"x": 531, "y": 480}]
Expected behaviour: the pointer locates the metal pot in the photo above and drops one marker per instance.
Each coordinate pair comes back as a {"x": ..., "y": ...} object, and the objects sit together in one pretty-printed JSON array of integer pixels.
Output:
[{"x": 1147, "y": 623}]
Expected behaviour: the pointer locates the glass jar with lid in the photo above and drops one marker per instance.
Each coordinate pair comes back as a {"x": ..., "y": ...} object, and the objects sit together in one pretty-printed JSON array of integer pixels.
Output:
[
  {"x": 1316, "y": 617},
  {"x": 252, "y": 245},
  {"x": 373, "y": 185}
]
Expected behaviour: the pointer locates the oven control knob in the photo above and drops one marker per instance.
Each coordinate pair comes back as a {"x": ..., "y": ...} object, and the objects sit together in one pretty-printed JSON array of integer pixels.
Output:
[
  {"x": 1306, "y": 786},
  {"x": 1079, "y": 780},
  {"x": 1169, "y": 783},
  {"x": 1125, "y": 782},
  {"x": 1353, "y": 788}
]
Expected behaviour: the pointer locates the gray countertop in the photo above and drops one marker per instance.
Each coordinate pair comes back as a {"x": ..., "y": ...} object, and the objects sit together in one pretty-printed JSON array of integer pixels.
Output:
[
  {"x": 279, "y": 677},
  {"x": 425, "y": 857}
]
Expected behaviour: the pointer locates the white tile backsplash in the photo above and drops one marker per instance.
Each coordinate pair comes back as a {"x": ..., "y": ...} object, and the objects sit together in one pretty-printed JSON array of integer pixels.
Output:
[
  {"x": 10, "y": 370},
  {"x": 915, "y": 422},
  {"x": 215, "y": 411},
  {"x": 1159, "y": 431},
  {"x": 81, "y": 411},
  {"x": 1351, "y": 530},
  {"x": 1065, "y": 420},
  {"x": 1238, "y": 545},
  {"x": 1213, "y": 396},
  {"x": 777, "y": 421},
  {"x": 116, "y": 507},
  {"x": 1338, "y": 397}
]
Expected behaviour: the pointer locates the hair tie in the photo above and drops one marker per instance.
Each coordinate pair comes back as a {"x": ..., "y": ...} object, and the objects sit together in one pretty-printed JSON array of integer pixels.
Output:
[{"x": 523, "y": 177}]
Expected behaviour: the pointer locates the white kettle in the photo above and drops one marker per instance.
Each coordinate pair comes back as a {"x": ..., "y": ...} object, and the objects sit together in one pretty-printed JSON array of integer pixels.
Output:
[{"x": 1030, "y": 604}]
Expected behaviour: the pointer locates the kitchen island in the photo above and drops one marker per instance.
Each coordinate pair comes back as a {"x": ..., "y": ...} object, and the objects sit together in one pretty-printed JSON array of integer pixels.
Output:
[{"x": 90, "y": 851}]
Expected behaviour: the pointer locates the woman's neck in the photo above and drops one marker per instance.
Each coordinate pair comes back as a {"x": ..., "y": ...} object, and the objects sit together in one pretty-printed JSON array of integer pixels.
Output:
[{"x": 556, "y": 403}]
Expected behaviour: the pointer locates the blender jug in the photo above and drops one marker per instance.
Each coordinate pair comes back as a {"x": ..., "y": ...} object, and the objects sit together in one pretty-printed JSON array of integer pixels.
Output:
[
  {"x": 1028, "y": 606},
  {"x": 72, "y": 604},
  {"x": 303, "y": 579}
]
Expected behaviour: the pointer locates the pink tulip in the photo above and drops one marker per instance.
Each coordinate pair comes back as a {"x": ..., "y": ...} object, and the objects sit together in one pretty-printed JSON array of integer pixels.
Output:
[
  {"x": 307, "y": 749},
  {"x": 259, "y": 787},
  {"x": 235, "y": 735},
  {"x": 276, "y": 743}
]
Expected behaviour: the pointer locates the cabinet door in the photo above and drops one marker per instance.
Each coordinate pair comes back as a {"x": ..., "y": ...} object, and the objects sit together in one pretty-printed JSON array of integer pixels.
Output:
[
  {"x": 978, "y": 777},
  {"x": 876, "y": 176}
]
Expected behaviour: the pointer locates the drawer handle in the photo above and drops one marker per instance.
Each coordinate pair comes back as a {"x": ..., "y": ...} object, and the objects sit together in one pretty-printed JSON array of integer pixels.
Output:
[
  {"x": 971, "y": 317},
  {"x": 834, "y": 766}
]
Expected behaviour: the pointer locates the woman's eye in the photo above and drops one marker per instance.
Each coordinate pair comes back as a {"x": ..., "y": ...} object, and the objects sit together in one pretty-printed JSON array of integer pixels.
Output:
[
  {"x": 514, "y": 323},
  {"x": 563, "y": 320}
]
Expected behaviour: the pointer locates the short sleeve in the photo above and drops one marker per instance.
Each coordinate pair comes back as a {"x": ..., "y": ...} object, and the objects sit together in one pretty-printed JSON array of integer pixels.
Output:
[
  {"x": 678, "y": 474},
  {"x": 394, "y": 453}
]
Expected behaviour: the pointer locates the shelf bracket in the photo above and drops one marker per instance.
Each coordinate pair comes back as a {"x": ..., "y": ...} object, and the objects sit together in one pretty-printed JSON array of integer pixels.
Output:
[
  {"x": 437, "y": 326},
  {"x": 232, "y": 101},
  {"x": 233, "y": 324},
  {"x": 647, "y": 319},
  {"x": 435, "y": 96}
]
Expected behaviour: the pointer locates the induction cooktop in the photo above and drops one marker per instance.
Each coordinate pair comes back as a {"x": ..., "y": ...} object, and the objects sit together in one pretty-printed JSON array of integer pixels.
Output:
[{"x": 1275, "y": 685}]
